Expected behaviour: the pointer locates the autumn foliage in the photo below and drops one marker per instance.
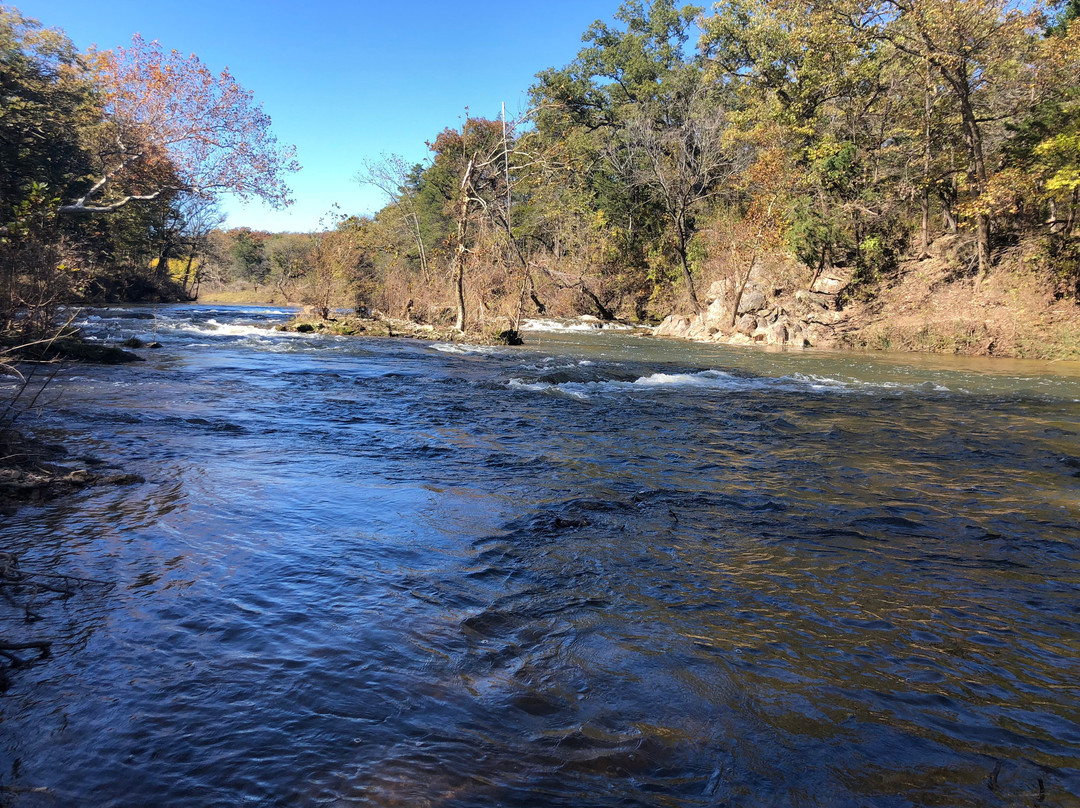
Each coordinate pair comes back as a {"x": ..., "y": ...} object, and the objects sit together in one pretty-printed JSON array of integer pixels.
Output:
[
  {"x": 111, "y": 165},
  {"x": 211, "y": 130}
]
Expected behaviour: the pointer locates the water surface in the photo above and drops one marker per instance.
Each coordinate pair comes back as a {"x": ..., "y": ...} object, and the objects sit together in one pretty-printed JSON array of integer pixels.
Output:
[{"x": 595, "y": 570}]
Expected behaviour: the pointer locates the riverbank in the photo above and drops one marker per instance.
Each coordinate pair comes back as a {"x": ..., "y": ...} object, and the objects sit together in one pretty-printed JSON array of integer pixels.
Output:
[
  {"x": 1012, "y": 312},
  {"x": 923, "y": 306},
  {"x": 31, "y": 474},
  {"x": 245, "y": 294}
]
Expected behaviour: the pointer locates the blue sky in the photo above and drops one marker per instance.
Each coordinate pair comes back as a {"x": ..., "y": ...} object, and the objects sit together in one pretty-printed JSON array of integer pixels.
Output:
[{"x": 344, "y": 81}]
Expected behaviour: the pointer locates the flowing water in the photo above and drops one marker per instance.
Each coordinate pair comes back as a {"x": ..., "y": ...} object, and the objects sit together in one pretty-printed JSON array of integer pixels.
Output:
[{"x": 595, "y": 570}]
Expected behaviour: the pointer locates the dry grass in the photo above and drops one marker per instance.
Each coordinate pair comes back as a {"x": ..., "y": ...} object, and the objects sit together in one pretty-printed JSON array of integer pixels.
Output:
[
  {"x": 245, "y": 293},
  {"x": 1011, "y": 312}
]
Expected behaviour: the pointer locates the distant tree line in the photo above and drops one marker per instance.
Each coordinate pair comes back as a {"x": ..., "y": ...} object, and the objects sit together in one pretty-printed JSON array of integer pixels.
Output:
[{"x": 681, "y": 146}]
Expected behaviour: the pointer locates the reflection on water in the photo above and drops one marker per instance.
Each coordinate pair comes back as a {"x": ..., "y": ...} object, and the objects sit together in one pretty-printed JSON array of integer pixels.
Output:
[{"x": 595, "y": 570}]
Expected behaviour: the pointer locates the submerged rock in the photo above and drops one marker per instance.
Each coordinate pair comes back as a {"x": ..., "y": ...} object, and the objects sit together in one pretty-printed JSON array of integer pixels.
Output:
[{"x": 74, "y": 348}]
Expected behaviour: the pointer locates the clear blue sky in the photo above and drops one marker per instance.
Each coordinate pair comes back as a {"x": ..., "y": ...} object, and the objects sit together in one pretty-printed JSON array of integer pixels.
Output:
[{"x": 348, "y": 80}]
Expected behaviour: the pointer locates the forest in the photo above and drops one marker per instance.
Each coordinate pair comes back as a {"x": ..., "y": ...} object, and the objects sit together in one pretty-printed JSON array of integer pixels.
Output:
[{"x": 684, "y": 155}]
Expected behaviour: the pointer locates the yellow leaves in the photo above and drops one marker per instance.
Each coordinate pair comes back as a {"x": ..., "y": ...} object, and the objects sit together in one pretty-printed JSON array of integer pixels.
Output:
[
  {"x": 1062, "y": 154},
  {"x": 1004, "y": 194}
]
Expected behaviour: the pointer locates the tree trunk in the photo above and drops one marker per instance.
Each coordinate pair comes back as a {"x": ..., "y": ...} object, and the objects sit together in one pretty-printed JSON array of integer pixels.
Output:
[
  {"x": 820, "y": 267},
  {"x": 742, "y": 288},
  {"x": 948, "y": 216},
  {"x": 420, "y": 247},
  {"x": 689, "y": 281},
  {"x": 604, "y": 311},
  {"x": 187, "y": 274},
  {"x": 924, "y": 201},
  {"x": 973, "y": 136},
  {"x": 753, "y": 261},
  {"x": 680, "y": 226},
  {"x": 161, "y": 270},
  {"x": 462, "y": 251}
]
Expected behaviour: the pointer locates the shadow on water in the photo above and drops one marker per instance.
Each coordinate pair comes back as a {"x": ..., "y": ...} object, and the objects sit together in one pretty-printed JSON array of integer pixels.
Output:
[{"x": 584, "y": 573}]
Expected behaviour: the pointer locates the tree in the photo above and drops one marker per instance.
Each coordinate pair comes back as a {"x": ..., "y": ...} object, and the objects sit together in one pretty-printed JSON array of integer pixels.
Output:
[
  {"x": 165, "y": 108},
  {"x": 611, "y": 113},
  {"x": 396, "y": 179},
  {"x": 46, "y": 105},
  {"x": 248, "y": 256},
  {"x": 290, "y": 256},
  {"x": 475, "y": 167},
  {"x": 337, "y": 261},
  {"x": 680, "y": 153},
  {"x": 980, "y": 49}
]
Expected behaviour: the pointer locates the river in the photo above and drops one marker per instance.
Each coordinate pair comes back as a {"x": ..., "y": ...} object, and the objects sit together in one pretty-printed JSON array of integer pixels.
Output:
[{"x": 598, "y": 569}]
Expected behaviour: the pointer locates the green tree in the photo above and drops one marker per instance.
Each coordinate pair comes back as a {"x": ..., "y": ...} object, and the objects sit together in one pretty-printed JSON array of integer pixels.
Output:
[{"x": 248, "y": 258}]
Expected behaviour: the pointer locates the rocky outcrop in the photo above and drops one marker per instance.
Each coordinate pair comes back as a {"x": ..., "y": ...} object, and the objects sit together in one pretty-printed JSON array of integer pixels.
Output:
[
  {"x": 927, "y": 303},
  {"x": 764, "y": 316},
  {"x": 495, "y": 332}
]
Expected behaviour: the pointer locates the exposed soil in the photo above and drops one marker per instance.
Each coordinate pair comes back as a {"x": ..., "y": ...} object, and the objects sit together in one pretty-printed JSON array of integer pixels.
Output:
[{"x": 1013, "y": 311}]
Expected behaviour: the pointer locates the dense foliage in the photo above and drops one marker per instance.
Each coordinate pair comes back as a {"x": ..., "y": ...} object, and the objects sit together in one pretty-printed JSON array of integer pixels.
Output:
[
  {"x": 110, "y": 163},
  {"x": 683, "y": 146}
]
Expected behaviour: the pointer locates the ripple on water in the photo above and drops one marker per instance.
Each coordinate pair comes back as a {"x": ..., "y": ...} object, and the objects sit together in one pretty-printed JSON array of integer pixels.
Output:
[{"x": 605, "y": 572}]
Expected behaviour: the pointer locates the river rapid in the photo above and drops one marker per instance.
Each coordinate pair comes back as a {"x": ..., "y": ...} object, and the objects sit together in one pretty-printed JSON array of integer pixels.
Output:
[{"x": 598, "y": 569}]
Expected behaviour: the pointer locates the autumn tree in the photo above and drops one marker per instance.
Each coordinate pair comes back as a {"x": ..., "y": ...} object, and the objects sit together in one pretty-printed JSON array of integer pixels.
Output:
[
  {"x": 392, "y": 175},
  {"x": 171, "y": 125},
  {"x": 47, "y": 103},
  {"x": 337, "y": 265},
  {"x": 289, "y": 255},
  {"x": 477, "y": 170},
  {"x": 980, "y": 49}
]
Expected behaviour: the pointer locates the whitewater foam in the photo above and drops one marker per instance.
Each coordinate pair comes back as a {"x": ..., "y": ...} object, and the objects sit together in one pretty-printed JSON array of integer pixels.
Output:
[
  {"x": 717, "y": 380},
  {"x": 464, "y": 350},
  {"x": 218, "y": 329},
  {"x": 574, "y": 325}
]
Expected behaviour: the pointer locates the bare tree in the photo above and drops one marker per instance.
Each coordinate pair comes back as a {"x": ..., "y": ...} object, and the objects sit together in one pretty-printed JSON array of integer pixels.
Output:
[
  {"x": 391, "y": 175},
  {"x": 682, "y": 158},
  {"x": 491, "y": 157}
]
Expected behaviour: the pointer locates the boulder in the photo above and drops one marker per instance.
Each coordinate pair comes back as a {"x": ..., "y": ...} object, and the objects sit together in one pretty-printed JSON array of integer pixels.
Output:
[
  {"x": 675, "y": 325},
  {"x": 831, "y": 282},
  {"x": 746, "y": 324},
  {"x": 752, "y": 300},
  {"x": 777, "y": 333},
  {"x": 718, "y": 314}
]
